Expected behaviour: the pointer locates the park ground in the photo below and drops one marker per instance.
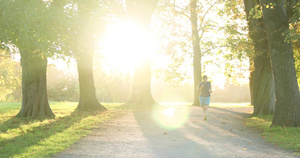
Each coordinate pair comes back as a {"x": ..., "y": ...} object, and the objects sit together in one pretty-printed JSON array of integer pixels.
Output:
[{"x": 177, "y": 131}]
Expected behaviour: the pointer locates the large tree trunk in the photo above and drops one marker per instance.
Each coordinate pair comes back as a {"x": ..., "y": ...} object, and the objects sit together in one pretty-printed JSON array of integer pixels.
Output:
[
  {"x": 141, "y": 11},
  {"x": 88, "y": 100},
  {"x": 84, "y": 43},
  {"x": 276, "y": 19},
  {"x": 141, "y": 96},
  {"x": 262, "y": 86},
  {"x": 197, "y": 52},
  {"x": 34, "y": 87}
]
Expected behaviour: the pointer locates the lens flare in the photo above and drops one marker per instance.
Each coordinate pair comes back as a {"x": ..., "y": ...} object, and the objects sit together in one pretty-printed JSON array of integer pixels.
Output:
[
  {"x": 171, "y": 117},
  {"x": 169, "y": 112}
]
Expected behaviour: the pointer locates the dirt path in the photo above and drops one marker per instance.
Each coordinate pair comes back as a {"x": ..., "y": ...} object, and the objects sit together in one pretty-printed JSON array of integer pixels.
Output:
[{"x": 141, "y": 134}]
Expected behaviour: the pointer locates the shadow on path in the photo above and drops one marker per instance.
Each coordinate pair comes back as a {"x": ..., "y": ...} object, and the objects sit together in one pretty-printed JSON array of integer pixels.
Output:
[
  {"x": 166, "y": 142},
  {"x": 177, "y": 132},
  {"x": 223, "y": 135}
]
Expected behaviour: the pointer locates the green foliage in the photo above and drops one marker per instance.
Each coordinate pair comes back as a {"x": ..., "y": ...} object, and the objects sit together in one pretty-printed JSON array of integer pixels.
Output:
[
  {"x": 238, "y": 42},
  {"x": 175, "y": 73},
  {"x": 233, "y": 9},
  {"x": 256, "y": 12},
  {"x": 57, "y": 27},
  {"x": 43, "y": 138},
  {"x": 294, "y": 36},
  {"x": 62, "y": 85},
  {"x": 10, "y": 78},
  {"x": 173, "y": 22},
  {"x": 297, "y": 63},
  {"x": 28, "y": 24},
  {"x": 287, "y": 138},
  {"x": 84, "y": 23}
]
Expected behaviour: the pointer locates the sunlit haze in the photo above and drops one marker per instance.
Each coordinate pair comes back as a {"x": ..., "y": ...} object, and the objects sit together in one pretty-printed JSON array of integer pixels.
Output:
[{"x": 126, "y": 45}]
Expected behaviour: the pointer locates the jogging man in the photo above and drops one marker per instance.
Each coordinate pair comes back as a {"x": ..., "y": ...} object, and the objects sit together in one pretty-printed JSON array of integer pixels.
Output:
[{"x": 204, "y": 98}]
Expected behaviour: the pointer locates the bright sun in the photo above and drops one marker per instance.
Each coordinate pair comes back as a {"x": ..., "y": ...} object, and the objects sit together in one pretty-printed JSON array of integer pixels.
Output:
[{"x": 126, "y": 45}]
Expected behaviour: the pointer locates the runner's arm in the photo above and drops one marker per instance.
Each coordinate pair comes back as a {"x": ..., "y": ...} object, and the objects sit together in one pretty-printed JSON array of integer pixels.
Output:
[{"x": 200, "y": 87}]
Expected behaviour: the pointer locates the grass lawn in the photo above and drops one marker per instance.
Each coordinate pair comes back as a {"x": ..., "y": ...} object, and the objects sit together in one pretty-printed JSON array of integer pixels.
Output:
[
  {"x": 27, "y": 138},
  {"x": 285, "y": 137}
]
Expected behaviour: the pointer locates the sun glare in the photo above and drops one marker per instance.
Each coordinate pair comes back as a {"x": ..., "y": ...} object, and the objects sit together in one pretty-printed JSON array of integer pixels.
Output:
[
  {"x": 170, "y": 117},
  {"x": 125, "y": 46},
  {"x": 219, "y": 80},
  {"x": 169, "y": 112}
]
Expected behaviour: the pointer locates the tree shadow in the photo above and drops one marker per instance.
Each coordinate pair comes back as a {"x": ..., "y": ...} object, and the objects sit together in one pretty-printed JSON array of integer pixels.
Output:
[
  {"x": 138, "y": 106},
  {"x": 15, "y": 122},
  {"x": 225, "y": 130},
  {"x": 223, "y": 117},
  {"x": 233, "y": 112},
  {"x": 34, "y": 134},
  {"x": 218, "y": 116},
  {"x": 219, "y": 136},
  {"x": 158, "y": 137}
]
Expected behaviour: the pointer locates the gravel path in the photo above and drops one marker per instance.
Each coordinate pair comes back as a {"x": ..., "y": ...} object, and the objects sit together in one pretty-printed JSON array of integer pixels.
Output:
[{"x": 176, "y": 133}]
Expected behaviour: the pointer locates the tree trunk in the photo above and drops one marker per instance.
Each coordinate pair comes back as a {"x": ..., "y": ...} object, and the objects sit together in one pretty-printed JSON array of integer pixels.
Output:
[
  {"x": 141, "y": 97},
  {"x": 197, "y": 53},
  {"x": 34, "y": 87},
  {"x": 262, "y": 86},
  {"x": 287, "y": 94},
  {"x": 88, "y": 100}
]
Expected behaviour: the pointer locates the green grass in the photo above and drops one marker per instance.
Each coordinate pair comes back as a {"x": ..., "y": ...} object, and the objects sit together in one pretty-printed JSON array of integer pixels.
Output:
[
  {"x": 285, "y": 137},
  {"x": 28, "y": 138}
]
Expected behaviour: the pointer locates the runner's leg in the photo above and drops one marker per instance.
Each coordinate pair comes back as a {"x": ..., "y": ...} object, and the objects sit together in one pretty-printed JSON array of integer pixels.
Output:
[
  {"x": 207, "y": 101},
  {"x": 202, "y": 103},
  {"x": 205, "y": 107}
]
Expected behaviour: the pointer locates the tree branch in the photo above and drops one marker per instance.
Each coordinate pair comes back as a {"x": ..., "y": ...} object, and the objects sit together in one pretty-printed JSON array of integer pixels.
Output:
[
  {"x": 181, "y": 12},
  {"x": 206, "y": 51},
  {"x": 201, "y": 24}
]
